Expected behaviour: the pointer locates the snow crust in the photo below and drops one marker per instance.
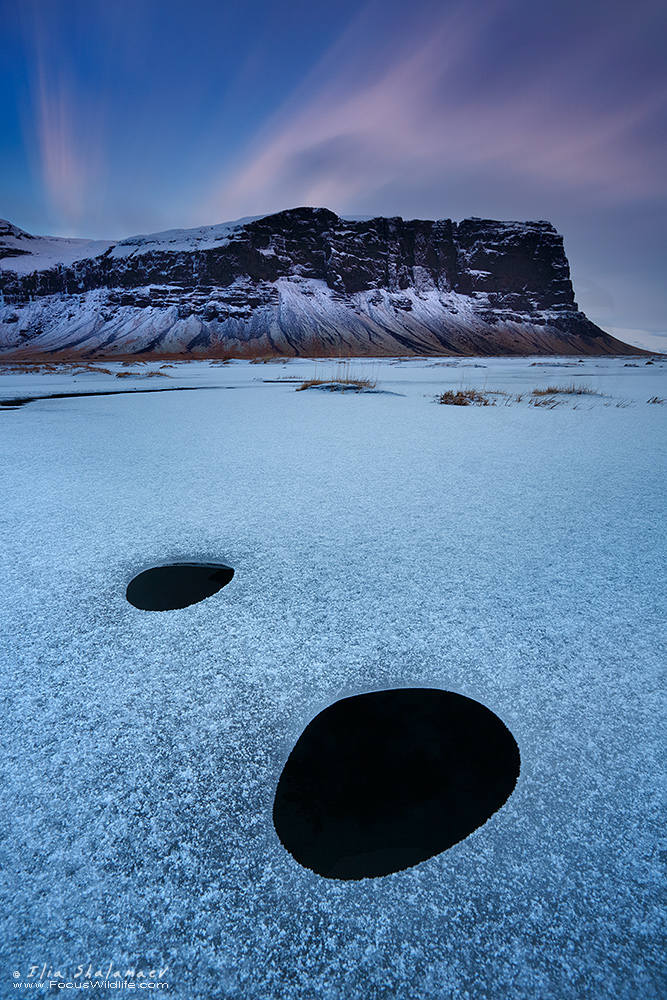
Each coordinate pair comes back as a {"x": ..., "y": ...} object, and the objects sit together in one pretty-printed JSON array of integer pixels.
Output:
[{"x": 512, "y": 554}]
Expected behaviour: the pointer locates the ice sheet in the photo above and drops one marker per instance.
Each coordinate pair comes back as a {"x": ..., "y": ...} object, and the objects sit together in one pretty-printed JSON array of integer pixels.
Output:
[{"x": 513, "y": 554}]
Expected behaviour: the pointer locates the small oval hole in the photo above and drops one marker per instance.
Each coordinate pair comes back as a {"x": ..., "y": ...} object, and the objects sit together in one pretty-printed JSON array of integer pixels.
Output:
[{"x": 167, "y": 588}]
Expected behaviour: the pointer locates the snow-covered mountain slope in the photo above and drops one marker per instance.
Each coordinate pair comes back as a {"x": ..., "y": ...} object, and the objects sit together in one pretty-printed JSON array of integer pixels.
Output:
[
  {"x": 302, "y": 282},
  {"x": 22, "y": 252}
]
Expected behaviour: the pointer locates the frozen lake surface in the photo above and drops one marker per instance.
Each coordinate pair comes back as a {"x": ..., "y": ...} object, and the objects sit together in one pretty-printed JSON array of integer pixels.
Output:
[{"x": 514, "y": 554}]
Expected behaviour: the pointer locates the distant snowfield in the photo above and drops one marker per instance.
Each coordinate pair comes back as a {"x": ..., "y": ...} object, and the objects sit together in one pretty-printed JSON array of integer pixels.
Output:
[{"x": 514, "y": 554}]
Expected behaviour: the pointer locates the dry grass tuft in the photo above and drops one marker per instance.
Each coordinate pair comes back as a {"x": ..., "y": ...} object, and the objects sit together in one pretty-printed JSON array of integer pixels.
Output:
[
  {"x": 342, "y": 376},
  {"x": 464, "y": 397},
  {"x": 566, "y": 390},
  {"x": 549, "y": 401},
  {"x": 357, "y": 384}
]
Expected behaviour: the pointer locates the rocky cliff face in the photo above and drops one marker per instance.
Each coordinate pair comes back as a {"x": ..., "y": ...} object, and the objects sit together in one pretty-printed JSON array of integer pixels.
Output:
[{"x": 302, "y": 282}]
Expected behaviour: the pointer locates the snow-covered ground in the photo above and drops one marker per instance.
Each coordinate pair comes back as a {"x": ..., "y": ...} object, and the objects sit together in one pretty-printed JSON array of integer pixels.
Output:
[{"x": 513, "y": 553}]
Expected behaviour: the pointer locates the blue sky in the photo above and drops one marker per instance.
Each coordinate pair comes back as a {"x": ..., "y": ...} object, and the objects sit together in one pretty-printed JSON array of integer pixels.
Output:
[{"x": 129, "y": 116}]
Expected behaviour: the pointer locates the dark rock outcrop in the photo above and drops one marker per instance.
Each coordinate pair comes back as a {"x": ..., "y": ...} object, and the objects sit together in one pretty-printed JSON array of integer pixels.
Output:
[{"x": 301, "y": 282}]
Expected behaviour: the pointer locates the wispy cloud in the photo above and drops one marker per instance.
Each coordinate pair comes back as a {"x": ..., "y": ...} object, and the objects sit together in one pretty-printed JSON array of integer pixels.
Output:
[
  {"x": 355, "y": 134},
  {"x": 72, "y": 162},
  {"x": 67, "y": 126}
]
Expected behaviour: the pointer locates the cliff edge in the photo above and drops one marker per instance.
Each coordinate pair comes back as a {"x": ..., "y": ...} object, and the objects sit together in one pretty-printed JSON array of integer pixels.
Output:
[{"x": 303, "y": 282}]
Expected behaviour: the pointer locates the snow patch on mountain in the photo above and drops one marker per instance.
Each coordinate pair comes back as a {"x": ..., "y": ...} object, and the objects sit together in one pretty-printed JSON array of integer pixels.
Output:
[
  {"x": 22, "y": 252},
  {"x": 178, "y": 240}
]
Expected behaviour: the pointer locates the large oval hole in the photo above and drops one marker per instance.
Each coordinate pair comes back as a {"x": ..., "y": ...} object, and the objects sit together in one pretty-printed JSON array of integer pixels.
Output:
[
  {"x": 166, "y": 588},
  {"x": 379, "y": 782}
]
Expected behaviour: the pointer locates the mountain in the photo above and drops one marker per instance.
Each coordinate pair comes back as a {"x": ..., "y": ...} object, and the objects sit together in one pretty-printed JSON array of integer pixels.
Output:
[{"x": 303, "y": 282}]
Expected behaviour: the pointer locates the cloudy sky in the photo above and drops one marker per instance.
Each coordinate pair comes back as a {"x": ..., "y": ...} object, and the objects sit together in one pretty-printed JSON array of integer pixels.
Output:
[{"x": 127, "y": 116}]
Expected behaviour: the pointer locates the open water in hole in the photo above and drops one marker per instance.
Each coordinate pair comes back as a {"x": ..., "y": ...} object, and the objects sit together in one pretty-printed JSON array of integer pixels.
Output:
[
  {"x": 379, "y": 782},
  {"x": 166, "y": 588}
]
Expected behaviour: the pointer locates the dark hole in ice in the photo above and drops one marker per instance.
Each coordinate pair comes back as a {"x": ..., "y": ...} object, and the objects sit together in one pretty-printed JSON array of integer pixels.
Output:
[
  {"x": 166, "y": 588},
  {"x": 379, "y": 782}
]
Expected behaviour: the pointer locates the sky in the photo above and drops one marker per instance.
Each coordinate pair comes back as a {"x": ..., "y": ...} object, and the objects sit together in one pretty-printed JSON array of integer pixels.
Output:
[{"x": 131, "y": 116}]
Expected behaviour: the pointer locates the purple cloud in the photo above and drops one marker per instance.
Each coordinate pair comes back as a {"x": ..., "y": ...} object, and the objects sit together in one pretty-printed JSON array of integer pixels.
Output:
[{"x": 357, "y": 132}]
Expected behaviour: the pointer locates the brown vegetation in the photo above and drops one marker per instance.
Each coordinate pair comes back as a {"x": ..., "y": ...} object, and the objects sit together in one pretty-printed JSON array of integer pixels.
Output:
[
  {"x": 567, "y": 390},
  {"x": 340, "y": 377},
  {"x": 464, "y": 397},
  {"x": 356, "y": 384}
]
